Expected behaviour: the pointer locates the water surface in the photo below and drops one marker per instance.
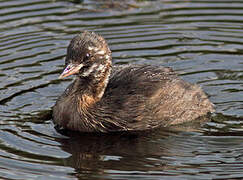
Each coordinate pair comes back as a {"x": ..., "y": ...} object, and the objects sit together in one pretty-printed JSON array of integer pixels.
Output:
[{"x": 202, "y": 40}]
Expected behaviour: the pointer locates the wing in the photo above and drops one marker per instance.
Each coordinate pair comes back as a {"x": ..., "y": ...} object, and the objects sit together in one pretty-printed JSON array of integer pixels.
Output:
[
  {"x": 131, "y": 92},
  {"x": 142, "y": 80},
  {"x": 145, "y": 97}
]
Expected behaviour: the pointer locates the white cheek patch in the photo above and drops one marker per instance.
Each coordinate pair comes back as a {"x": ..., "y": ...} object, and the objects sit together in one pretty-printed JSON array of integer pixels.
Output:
[
  {"x": 80, "y": 66},
  {"x": 101, "y": 52},
  {"x": 90, "y": 48},
  {"x": 95, "y": 67},
  {"x": 96, "y": 50},
  {"x": 90, "y": 70},
  {"x": 101, "y": 67}
]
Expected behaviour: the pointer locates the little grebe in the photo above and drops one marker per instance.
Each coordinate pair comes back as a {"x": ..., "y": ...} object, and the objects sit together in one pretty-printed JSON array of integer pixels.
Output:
[{"x": 122, "y": 98}]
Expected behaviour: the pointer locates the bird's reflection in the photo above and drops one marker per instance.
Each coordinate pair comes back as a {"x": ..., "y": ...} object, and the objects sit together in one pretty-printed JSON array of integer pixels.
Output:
[{"x": 139, "y": 152}]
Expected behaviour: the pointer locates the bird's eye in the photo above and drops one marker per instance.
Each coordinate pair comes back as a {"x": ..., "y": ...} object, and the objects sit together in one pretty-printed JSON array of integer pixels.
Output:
[{"x": 87, "y": 56}]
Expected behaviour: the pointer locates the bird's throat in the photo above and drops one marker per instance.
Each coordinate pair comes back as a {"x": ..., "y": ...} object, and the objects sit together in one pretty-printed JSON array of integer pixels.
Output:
[{"x": 93, "y": 86}]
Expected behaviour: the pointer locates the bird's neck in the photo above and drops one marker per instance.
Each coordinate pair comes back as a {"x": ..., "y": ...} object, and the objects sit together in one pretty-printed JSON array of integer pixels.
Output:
[{"x": 93, "y": 87}]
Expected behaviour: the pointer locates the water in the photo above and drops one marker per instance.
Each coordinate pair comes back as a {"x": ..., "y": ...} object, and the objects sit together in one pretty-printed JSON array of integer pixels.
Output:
[{"x": 202, "y": 40}]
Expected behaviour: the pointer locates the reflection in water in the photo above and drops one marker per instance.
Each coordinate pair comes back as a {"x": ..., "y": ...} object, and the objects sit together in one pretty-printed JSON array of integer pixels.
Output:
[
  {"x": 100, "y": 153},
  {"x": 201, "y": 40},
  {"x": 155, "y": 154}
]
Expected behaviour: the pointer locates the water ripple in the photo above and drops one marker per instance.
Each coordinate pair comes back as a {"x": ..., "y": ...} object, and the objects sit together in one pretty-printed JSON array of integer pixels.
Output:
[{"x": 201, "y": 40}]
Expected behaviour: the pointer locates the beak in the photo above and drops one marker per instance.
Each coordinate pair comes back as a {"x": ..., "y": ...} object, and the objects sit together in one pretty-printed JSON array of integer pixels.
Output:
[{"x": 70, "y": 69}]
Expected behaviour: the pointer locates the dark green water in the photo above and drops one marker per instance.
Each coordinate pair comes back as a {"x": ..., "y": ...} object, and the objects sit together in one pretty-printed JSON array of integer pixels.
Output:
[{"x": 202, "y": 40}]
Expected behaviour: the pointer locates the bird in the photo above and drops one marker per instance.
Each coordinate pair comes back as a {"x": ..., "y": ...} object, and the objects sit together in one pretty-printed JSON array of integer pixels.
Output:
[{"x": 106, "y": 98}]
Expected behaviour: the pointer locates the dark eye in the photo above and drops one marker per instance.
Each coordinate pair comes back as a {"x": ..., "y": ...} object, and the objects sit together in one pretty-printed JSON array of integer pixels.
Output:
[{"x": 87, "y": 56}]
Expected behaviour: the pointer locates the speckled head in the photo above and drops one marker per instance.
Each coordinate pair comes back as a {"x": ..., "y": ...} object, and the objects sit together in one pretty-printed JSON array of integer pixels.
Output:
[{"x": 87, "y": 53}]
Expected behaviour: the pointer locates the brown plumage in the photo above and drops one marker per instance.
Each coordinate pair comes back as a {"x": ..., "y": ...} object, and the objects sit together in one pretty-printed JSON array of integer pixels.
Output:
[{"x": 122, "y": 98}]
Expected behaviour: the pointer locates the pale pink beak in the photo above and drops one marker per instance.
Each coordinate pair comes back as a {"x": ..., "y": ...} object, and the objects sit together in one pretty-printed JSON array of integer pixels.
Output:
[{"x": 70, "y": 70}]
